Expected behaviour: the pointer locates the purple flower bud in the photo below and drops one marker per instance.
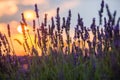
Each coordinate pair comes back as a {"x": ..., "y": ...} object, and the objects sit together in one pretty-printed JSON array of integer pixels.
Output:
[
  {"x": 53, "y": 25},
  {"x": 108, "y": 12},
  {"x": 36, "y": 10},
  {"x": 8, "y": 27},
  {"x": 58, "y": 20},
  {"x": 49, "y": 30},
  {"x": 45, "y": 20},
  {"x": 23, "y": 19},
  {"x": 118, "y": 21},
  {"x": 102, "y": 4},
  {"x": 79, "y": 19},
  {"x": 69, "y": 13},
  {"x": 116, "y": 31},
  {"x": 100, "y": 16},
  {"x": 34, "y": 25},
  {"x": 114, "y": 15},
  {"x": 67, "y": 28},
  {"x": 63, "y": 26},
  {"x": 93, "y": 27},
  {"x": 75, "y": 34},
  {"x": 86, "y": 35}
]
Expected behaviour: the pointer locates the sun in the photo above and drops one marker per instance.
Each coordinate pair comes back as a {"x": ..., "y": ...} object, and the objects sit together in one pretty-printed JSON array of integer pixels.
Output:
[
  {"x": 29, "y": 15},
  {"x": 19, "y": 29}
]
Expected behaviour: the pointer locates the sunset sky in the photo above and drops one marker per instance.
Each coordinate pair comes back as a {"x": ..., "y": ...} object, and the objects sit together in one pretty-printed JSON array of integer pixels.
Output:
[{"x": 10, "y": 13}]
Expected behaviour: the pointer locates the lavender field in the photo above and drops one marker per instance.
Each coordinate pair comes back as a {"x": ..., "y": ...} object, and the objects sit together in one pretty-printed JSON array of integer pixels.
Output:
[{"x": 93, "y": 53}]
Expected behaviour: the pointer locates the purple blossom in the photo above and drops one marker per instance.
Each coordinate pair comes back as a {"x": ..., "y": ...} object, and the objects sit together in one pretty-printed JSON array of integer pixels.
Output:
[
  {"x": 68, "y": 21},
  {"x": 114, "y": 17},
  {"x": 45, "y": 20},
  {"x": 99, "y": 34},
  {"x": 75, "y": 34},
  {"x": 86, "y": 35},
  {"x": 52, "y": 26},
  {"x": 63, "y": 26},
  {"x": 108, "y": 12},
  {"x": 8, "y": 27},
  {"x": 36, "y": 11},
  {"x": 23, "y": 19},
  {"x": 93, "y": 26},
  {"x": 105, "y": 22},
  {"x": 100, "y": 12},
  {"x": 34, "y": 25},
  {"x": 78, "y": 32},
  {"x": 80, "y": 22},
  {"x": 58, "y": 20},
  {"x": 102, "y": 5}
]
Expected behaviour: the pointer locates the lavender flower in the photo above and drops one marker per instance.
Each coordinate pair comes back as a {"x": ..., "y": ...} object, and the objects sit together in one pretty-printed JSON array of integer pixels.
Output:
[
  {"x": 93, "y": 27},
  {"x": 79, "y": 19},
  {"x": 34, "y": 25},
  {"x": 39, "y": 38},
  {"x": 116, "y": 29},
  {"x": 102, "y": 5},
  {"x": 105, "y": 22},
  {"x": 100, "y": 12},
  {"x": 58, "y": 20},
  {"x": 36, "y": 11},
  {"x": 52, "y": 26},
  {"x": 108, "y": 12},
  {"x": 114, "y": 16},
  {"x": 45, "y": 20},
  {"x": 75, "y": 34},
  {"x": 68, "y": 21},
  {"x": 86, "y": 35},
  {"x": 23, "y": 19},
  {"x": 63, "y": 26},
  {"x": 8, "y": 27}
]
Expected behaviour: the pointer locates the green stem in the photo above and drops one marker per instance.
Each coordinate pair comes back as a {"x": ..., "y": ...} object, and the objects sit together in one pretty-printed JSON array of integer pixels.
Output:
[{"x": 12, "y": 46}]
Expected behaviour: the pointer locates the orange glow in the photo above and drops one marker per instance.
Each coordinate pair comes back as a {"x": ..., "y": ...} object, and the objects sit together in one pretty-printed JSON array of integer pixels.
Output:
[
  {"x": 29, "y": 15},
  {"x": 19, "y": 29}
]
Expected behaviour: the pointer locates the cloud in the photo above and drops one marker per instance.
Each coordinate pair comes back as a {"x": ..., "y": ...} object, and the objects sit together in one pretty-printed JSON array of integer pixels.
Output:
[
  {"x": 8, "y": 7},
  {"x": 13, "y": 27},
  {"x": 32, "y": 2},
  {"x": 2, "y": 27},
  {"x": 65, "y": 5},
  {"x": 70, "y": 4}
]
